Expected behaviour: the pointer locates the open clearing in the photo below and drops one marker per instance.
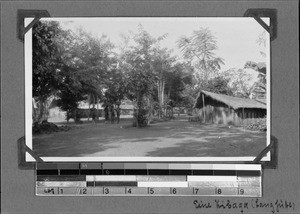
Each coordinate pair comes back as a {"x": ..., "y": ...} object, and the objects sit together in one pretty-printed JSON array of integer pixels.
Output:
[{"x": 175, "y": 138}]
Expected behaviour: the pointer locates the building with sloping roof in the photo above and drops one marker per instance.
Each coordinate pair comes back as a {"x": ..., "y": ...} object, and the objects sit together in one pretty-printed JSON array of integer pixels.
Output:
[{"x": 224, "y": 109}]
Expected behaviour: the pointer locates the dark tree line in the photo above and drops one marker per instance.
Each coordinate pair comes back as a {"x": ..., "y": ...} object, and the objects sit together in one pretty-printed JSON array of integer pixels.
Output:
[{"x": 76, "y": 66}]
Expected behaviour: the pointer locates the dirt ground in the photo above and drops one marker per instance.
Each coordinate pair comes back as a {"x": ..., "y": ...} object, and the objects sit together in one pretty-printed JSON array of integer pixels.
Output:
[{"x": 175, "y": 138}]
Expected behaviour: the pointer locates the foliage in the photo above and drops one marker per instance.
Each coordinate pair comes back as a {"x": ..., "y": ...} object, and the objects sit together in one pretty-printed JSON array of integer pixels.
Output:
[
  {"x": 141, "y": 119},
  {"x": 261, "y": 41},
  {"x": 176, "y": 83},
  {"x": 46, "y": 62},
  {"x": 136, "y": 62},
  {"x": 258, "y": 124},
  {"x": 259, "y": 86},
  {"x": 46, "y": 127},
  {"x": 85, "y": 70},
  {"x": 241, "y": 81},
  {"x": 68, "y": 100},
  {"x": 70, "y": 66},
  {"x": 45, "y": 59},
  {"x": 162, "y": 66},
  {"x": 218, "y": 85},
  {"x": 198, "y": 49},
  {"x": 191, "y": 88},
  {"x": 116, "y": 89},
  {"x": 76, "y": 66}
]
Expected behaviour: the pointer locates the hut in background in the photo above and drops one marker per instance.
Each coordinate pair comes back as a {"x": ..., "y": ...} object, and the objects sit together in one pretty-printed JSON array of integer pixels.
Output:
[{"x": 224, "y": 109}]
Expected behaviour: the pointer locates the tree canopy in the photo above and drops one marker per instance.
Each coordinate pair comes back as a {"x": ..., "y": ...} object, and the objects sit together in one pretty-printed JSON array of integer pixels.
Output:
[{"x": 77, "y": 66}]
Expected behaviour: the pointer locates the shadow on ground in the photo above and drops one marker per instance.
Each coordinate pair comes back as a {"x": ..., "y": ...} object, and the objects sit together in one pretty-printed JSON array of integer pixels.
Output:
[{"x": 176, "y": 138}]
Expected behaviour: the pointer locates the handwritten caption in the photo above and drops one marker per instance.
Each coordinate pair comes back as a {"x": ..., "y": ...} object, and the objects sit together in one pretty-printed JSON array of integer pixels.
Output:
[{"x": 275, "y": 206}]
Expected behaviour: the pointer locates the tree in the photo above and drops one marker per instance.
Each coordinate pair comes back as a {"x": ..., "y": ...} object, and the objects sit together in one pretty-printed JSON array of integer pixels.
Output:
[
  {"x": 259, "y": 88},
  {"x": 70, "y": 66},
  {"x": 198, "y": 49},
  {"x": 261, "y": 41},
  {"x": 218, "y": 85},
  {"x": 86, "y": 71},
  {"x": 146, "y": 65},
  {"x": 136, "y": 62},
  {"x": 240, "y": 81},
  {"x": 115, "y": 87},
  {"x": 46, "y": 64},
  {"x": 176, "y": 82},
  {"x": 69, "y": 96},
  {"x": 162, "y": 68}
]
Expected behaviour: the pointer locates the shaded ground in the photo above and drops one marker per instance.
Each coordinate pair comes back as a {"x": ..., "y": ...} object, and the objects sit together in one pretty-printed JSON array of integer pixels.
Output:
[{"x": 176, "y": 138}]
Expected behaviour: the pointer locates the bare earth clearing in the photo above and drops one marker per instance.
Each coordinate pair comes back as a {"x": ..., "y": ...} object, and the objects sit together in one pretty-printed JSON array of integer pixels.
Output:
[{"x": 175, "y": 138}]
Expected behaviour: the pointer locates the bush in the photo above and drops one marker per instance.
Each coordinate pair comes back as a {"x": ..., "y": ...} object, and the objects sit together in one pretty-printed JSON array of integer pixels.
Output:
[
  {"x": 46, "y": 127},
  {"x": 259, "y": 124}
]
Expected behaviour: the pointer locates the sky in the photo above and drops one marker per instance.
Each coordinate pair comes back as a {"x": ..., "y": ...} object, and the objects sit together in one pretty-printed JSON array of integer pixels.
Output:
[{"x": 236, "y": 37}]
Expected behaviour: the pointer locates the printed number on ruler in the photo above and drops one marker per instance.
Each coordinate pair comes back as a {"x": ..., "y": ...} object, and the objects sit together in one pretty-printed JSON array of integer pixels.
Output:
[
  {"x": 241, "y": 191},
  {"x": 128, "y": 191},
  {"x": 82, "y": 191},
  {"x": 173, "y": 191},
  {"x": 151, "y": 191},
  {"x": 218, "y": 191},
  {"x": 106, "y": 190}
]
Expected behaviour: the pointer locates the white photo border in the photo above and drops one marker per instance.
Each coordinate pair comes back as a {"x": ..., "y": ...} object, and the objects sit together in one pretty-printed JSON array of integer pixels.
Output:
[{"x": 29, "y": 106}]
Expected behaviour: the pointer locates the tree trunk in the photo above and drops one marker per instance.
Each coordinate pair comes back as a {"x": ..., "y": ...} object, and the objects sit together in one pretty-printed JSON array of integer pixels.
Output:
[
  {"x": 169, "y": 92},
  {"x": 89, "y": 112},
  {"x": 75, "y": 115},
  {"x": 93, "y": 112},
  {"x": 159, "y": 98},
  {"x": 97, "y": 108},
  {"x": 89, "y": 101},
  {"x": 34, "y": 113},
  {"x": 94, "y": 101},
  {"x": 150, "y": 108},
  {"x": 161, "y": 91},
  {"x": 137, "y": 113},
  {"x": 138, "y": 109},
  {"x": 163, "y": 98},
  {"x": 42, "y": 111}
]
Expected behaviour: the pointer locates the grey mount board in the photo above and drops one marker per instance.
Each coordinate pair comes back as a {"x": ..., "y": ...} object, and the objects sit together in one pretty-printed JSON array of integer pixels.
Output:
[{"x": 17, "y": 186}]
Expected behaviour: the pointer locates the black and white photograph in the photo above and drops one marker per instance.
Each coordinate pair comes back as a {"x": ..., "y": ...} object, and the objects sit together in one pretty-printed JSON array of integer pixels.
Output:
[
  {"x": 155, "y": 89},
  {"x": 132, "y": 106}
]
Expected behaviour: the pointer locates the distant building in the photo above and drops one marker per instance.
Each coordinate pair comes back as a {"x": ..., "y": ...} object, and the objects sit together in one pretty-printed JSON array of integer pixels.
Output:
[
  {"x": 85, "y": 109},
  {"x": 224, "y": 109}
]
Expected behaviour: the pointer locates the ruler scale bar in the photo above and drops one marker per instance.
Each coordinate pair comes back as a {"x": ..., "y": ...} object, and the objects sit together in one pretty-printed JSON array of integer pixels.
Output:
[
  {"x": 146, "y": 179},
  {"x": 149, "y": 172}
]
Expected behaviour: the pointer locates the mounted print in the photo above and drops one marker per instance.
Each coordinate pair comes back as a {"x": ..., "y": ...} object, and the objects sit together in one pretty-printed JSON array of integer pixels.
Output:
[{"x": 157, "y": 89}]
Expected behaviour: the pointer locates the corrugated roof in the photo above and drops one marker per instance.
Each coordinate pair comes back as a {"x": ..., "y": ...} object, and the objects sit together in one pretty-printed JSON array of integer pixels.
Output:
[{"x": 234, "y": 102}]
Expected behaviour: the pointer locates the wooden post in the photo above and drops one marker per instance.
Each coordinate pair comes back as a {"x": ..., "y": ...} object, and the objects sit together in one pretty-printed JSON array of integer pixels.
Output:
[
  {"x": 89, "y": 101},
  {"x": 203, "y": 108},
  {"x": 243, "y": 117}
]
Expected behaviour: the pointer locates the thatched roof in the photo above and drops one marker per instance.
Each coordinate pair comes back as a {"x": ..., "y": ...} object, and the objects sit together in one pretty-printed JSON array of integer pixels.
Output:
[{"x": 234, "y": 102}]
